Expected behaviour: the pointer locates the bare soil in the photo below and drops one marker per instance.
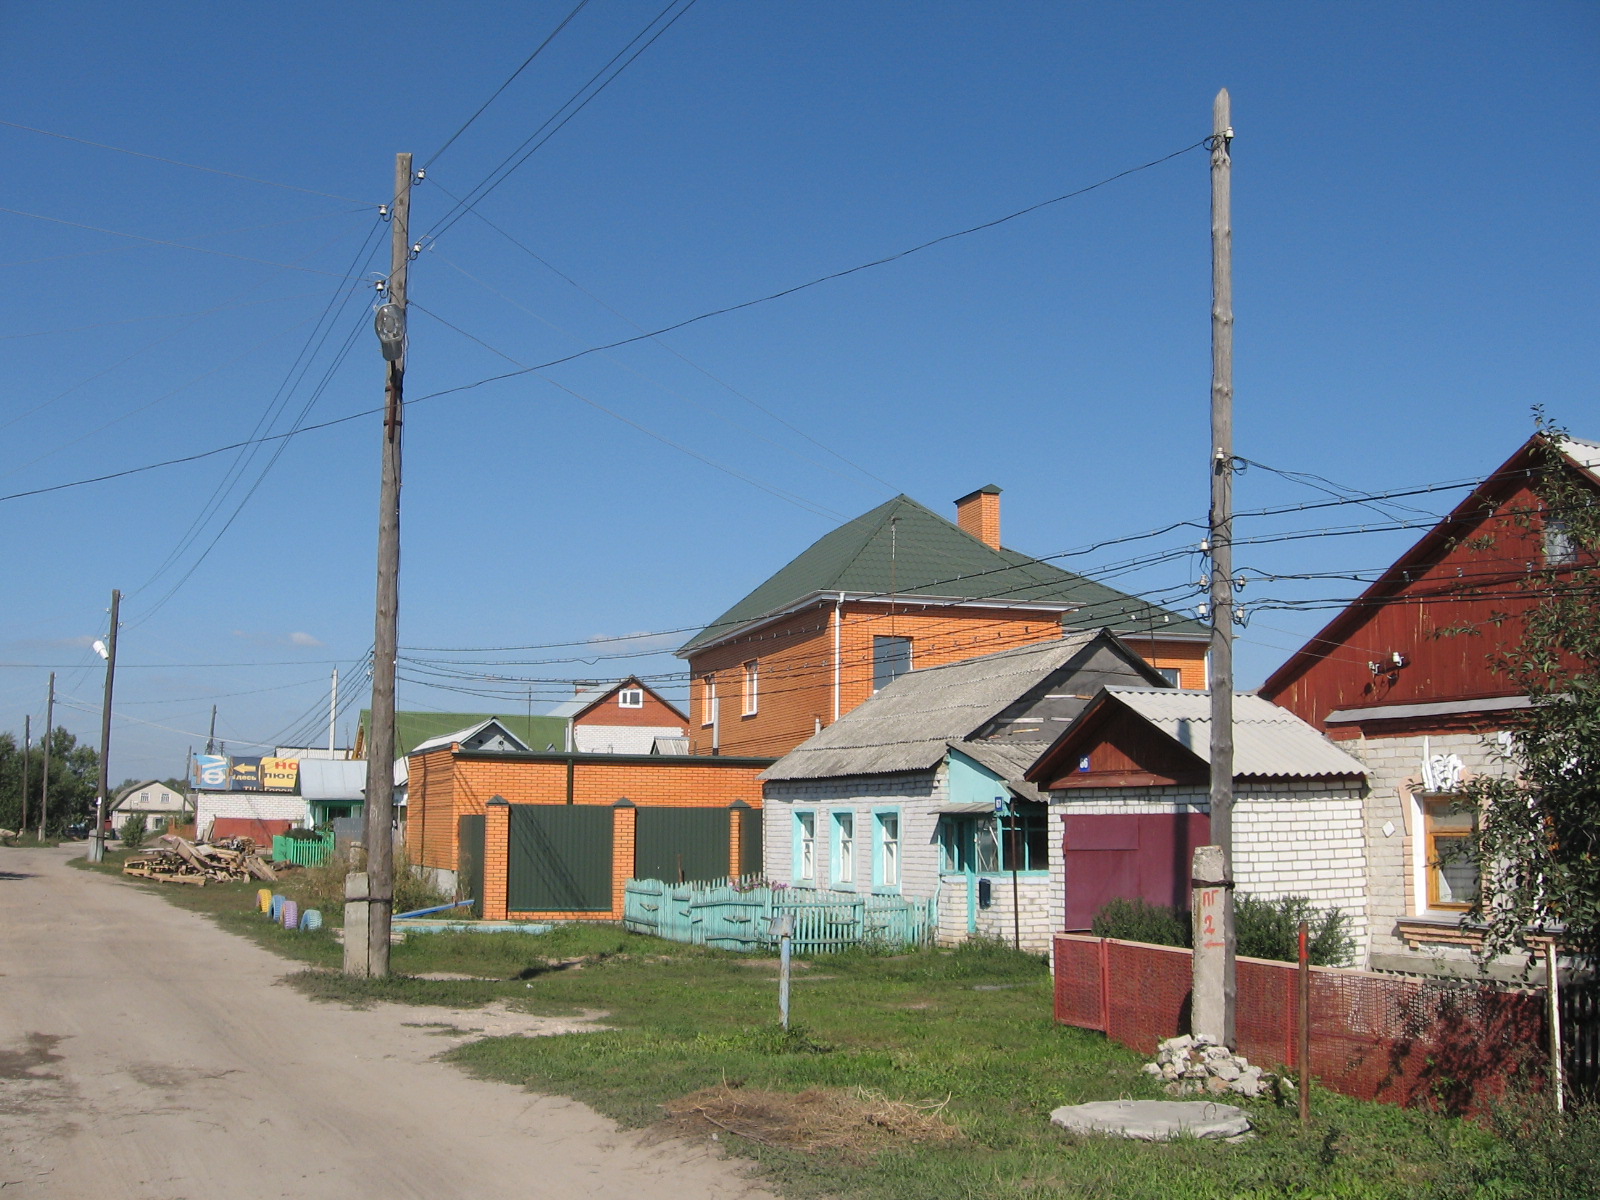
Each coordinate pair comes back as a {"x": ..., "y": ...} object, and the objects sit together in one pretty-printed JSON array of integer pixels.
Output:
[{"x": 146, "y": 1054}]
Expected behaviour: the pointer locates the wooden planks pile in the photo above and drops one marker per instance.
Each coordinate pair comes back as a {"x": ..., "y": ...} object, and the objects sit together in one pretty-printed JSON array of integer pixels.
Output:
[{"x": 181, "y": 861}]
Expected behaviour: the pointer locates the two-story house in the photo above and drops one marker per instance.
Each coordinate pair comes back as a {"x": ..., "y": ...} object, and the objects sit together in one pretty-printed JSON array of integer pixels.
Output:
[{"x": 897, "y": 589}]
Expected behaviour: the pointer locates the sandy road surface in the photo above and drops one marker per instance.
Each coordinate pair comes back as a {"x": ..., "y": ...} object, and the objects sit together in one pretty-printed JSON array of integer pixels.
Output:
[{"x": 146, "y": 1054}]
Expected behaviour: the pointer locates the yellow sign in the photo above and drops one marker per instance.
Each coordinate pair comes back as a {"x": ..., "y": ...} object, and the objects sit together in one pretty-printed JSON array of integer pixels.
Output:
[{"x": 280, "y": 774}]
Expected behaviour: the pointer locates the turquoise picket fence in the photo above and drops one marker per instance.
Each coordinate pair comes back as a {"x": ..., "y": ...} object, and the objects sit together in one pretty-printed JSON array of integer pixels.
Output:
[
  {"x": 738, "y": 915},
  {"x": 303, "y": 851}
]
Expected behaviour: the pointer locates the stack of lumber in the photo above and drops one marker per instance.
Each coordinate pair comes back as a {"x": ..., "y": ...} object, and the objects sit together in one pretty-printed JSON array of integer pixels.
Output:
[{"x": 180, "y": 861}]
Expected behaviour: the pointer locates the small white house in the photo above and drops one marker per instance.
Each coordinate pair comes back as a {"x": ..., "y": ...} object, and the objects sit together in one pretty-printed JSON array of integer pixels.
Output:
[
  {"x": 919, "y": 791},
  {"x": 157, "y": 802}
]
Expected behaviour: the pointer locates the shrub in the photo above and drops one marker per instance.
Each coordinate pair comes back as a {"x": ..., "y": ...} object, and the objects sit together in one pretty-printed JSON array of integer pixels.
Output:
[
  {"x": 1271, "y": 929},
  {"x": 1140, "y": 921},
  {"x": 133, "y": 832},
  {"x": 323, "y": 886}
]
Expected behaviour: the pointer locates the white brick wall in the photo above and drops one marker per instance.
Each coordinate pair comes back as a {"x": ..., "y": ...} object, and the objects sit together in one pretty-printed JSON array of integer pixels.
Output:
[
  {"x": 1036, "y": 909},
  {"x": 254, "y": 806},
  {"x": 1291, "y": 838}
]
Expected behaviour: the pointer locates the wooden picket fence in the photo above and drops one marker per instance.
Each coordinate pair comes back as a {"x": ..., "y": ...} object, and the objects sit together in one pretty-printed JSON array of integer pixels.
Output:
[
  {"x": 302, "y": 851},
  {"x": 738, "y": 914}
]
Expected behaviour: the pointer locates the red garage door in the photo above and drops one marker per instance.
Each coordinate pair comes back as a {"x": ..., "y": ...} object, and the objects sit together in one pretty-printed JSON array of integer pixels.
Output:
[{"x": 1141, "y": 857}]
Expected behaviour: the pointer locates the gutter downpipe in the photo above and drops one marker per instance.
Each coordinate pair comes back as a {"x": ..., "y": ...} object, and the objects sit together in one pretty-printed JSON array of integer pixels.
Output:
[{"x": 838, "y": 616}]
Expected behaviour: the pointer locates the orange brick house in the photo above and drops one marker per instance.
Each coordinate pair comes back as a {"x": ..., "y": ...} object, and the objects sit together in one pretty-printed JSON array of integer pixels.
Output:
[
  {"x": 898, "y": 588},
  {"x": 557, "y": 835}
]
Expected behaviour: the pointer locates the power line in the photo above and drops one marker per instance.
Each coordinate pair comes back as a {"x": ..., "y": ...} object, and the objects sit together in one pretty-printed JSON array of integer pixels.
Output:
[
  {"x": 489, "y": 182},
  {"x": 450, "y": 141},
  {"x": 173, "y": 162}
]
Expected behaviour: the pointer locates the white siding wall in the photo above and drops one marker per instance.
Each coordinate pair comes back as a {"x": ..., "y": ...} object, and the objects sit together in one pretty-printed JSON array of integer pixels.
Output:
[{"x": 255, "y": 806}]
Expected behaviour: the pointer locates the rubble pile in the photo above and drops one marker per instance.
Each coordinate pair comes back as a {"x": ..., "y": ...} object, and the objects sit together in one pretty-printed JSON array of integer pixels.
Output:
[
  {"x": 180, "y": 861},
  {"x": 1200, "y": 1065}
]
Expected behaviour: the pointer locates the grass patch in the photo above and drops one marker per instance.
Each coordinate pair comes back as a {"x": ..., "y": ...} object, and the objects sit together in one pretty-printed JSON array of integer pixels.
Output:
[{"x": 930, "y": 1073}]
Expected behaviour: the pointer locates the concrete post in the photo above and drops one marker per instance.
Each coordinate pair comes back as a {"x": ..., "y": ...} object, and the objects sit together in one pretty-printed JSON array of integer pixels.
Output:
[
  {"x": 1212, "y": 914},
  {"x": 357, "y": 891}
]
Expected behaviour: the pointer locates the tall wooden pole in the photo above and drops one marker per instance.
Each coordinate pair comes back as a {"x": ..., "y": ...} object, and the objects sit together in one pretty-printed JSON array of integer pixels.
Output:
[
  {"x": 97, "y": 847},
  {"x": 1222, "y": 534},
  {"x": 27, "y": 752},
  {"x": 379, "y": 812},
  {"x": 49, "y": 729}
]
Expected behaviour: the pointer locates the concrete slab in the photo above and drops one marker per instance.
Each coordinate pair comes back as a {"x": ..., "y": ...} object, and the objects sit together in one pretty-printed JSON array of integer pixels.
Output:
[{"x": 1153, "y": 1120}]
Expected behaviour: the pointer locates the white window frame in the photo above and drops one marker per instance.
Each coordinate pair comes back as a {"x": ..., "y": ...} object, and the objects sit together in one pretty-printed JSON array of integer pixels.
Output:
[
  {"x": 708, "y": 699},
  {"x": 752, "y": 688},
  {"x": 887, "y": 838},
  {"x": 630, "y": 697},
  {"x": 844, "y": 848},
  {"x": 805, "y": 847}
]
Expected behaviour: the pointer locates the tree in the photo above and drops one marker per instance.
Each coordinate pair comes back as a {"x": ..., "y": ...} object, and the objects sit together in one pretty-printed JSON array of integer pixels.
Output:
[
  {"x": 74, "y": 775},
  {"x": 1537, "y": 836}
]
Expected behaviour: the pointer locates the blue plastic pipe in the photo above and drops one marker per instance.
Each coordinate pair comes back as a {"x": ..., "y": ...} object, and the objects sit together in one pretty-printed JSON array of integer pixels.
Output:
[{"x": 422, "y": 912}]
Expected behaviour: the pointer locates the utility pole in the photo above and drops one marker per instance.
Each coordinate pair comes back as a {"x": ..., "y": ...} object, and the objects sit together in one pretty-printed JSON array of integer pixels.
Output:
[
  {"x": 211, "y": 736},
  {"x": 333, "y": 710},
  {"x": 27, "y": 751},
  {"x": 1221, "y": 537},
  {"x": 49, "y": 729},
  {"x": 97, "y": 846},
  {"x": 379, "y": 812}
]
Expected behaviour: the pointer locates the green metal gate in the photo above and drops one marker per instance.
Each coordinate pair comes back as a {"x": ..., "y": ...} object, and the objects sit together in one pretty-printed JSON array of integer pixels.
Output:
[
  {"x": 681, "y": 845},
  {"x": 560, "y": 858},
  {"x": 750, "y": 842},
  {"x": 469, "y": 861}
]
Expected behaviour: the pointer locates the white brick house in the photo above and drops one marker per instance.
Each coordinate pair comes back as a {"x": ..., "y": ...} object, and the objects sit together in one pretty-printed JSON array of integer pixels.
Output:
[{"x": 1129, "y": 781}]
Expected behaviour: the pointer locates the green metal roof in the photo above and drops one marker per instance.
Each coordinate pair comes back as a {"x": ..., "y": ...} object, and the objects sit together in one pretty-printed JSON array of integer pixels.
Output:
[
  {"x": 411, "y": 729},
  {"x": 904, "y": 549}
]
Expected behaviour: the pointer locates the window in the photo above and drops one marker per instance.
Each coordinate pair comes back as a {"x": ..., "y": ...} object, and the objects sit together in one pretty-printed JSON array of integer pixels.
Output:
[
  {"x": 1559, "y": 548},
  {"x": 891, "y": 658},
  {"x": 986, "y": 847},
  {"x": 708, "y": 700},
  {"x": 1173, "y": 675},
  {"x": 1025, "y": 838},
  {"x": 630, "y": 698},
  {"x": 886, "y": 860},
  {"x": 805, "y": 846},
  {"x": 844, "y": 847},
  {"x": 752, "y": 687},
  {"x": 1452, "y": 877}
]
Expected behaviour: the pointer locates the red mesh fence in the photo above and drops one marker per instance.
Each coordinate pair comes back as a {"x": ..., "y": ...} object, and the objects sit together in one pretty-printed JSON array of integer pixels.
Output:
[{"x": 1453, "y": 1044}]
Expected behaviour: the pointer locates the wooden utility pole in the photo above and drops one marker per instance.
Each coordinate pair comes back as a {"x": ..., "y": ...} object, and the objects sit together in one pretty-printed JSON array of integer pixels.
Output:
[
  {"x": 97, "y": 846},
  {"x": 379, "y": 812},
  {"x": 27, "y": 752},
  {"x": 211, "y": 736},
  {"x": 49, "y": 729},
  {"x": 1215, "y": 1013}
]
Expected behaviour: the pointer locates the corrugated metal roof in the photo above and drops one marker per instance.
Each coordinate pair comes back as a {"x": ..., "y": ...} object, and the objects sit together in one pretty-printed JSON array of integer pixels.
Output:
[
  {"x": 493, "y": 728},
  {"x": 905, "y": 549},
  {"x": 1585, "y": 454},
  {"x": 1268, "y": 741},
  {"x": 333, "y": 779},
  {"x": 909, "y": 724},
  {"x": 582, "y": 698}
]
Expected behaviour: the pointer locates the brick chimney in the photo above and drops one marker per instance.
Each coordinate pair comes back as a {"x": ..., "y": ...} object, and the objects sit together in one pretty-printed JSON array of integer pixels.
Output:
[{"x": 979, "y": 514}]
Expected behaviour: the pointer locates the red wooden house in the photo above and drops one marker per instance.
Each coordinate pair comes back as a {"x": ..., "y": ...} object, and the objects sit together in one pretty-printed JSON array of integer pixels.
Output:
[{"x": 1404, "y": 679}]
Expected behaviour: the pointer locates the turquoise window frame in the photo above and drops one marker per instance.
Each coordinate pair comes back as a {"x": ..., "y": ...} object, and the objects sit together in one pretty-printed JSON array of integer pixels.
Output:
[
  {"x": 837, "y": 858},
  {"x": 799, "y": 842},
  {"x": 880, "y": 882}
]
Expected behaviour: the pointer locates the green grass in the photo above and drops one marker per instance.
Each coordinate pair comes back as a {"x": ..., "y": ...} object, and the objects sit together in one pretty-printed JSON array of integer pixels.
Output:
[{"x": 972, "y": 1027}]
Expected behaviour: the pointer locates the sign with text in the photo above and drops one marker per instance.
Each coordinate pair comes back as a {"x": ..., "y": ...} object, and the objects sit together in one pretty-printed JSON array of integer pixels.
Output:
[
  {"x": 280, "y": 774},
  {"x": 211, "y": 770}
]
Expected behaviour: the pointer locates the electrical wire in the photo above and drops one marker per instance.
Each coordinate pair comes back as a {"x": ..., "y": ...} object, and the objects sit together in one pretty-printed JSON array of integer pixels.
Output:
[{"x": 173, "y": 162}]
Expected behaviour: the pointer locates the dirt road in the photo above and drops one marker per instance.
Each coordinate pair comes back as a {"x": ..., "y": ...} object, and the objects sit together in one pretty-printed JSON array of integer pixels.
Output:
[{"x": 146, "y": 1054}]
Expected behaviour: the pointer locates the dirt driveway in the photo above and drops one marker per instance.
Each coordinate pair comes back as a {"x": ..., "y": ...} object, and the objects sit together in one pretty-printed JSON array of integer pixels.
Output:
[{"x": 146, "y": 1054}]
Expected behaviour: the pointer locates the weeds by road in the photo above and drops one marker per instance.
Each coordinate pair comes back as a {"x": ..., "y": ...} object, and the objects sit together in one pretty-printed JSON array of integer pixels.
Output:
[{"x": 964, "y": 1037}]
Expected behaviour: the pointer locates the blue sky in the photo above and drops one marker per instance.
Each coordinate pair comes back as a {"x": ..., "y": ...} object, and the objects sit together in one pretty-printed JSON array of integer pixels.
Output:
[{"x": 1415, "y": 268}]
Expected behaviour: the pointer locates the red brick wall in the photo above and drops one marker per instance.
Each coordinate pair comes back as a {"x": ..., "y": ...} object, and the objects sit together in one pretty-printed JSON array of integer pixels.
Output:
[
  {"x": 796, "y": 665},
  {"x": 1375, "y": 1037},
  {"x": 655, "y": 712}
]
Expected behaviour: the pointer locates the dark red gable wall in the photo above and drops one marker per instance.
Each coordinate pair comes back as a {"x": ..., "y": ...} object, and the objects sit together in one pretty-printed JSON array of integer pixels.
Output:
[
  {"x": 1124, "y": 751},
  {"x": 1461, "y": 585}
]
